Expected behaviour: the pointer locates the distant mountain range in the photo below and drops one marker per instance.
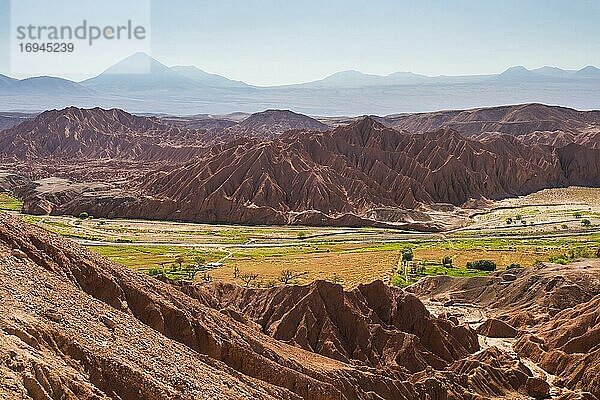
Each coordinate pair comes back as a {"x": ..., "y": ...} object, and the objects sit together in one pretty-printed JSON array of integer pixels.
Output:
[
  {"x": 280, "y": 167},
  {"x": 141, "y": 73},
  {"x": 142, "y": 84}
]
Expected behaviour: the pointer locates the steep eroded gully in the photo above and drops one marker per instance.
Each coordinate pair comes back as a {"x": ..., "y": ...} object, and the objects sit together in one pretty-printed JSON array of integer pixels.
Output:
[{"x": 473, "y": 302}]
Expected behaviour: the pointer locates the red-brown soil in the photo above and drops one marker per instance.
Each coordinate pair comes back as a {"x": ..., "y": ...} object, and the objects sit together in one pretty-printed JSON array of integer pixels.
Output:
[
  {"x": 568, "y": 346},
  {"x": 272, "y": 123},
  {"x": 80, "y": 134},
  {"x": 373, "y": 325},
  {"x": 361, "y": 174}
]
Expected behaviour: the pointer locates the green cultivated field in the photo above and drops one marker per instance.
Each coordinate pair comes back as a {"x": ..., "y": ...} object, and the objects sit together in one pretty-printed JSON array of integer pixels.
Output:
[
  {"x": 549, "y": 225},
  {"x": 9, "y": 203}
]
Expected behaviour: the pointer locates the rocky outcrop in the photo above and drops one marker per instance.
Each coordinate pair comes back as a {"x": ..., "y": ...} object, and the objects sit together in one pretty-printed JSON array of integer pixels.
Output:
[
  {"x": 272, "y": 123},
  {"x": 286, "y": 168},
  {"x": 495, "y": 328},
  {"x": 485, "y": 364},
  {"x": 56, "y": 341},
  {"x": 537, "y": 293},
  {"x": 362, "y": 174},
  {"x": 568, "y": 346},
  {"x": 84, "y": 134},
  {"x": 557, "y": 311},
  {"x": 373, "y": 325},
  {"x": 537, "y": 388}
]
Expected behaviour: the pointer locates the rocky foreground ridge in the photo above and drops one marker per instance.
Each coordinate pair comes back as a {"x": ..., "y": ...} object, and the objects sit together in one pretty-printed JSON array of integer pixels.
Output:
[{"x": 77, "y": 326}]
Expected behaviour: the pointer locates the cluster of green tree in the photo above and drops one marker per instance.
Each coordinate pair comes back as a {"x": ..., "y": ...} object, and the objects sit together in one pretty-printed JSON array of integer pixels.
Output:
[
  {"x": 518, "y": 218},
  {"x": 178, "y": 271},
  {"x": 482, "y": 265}
]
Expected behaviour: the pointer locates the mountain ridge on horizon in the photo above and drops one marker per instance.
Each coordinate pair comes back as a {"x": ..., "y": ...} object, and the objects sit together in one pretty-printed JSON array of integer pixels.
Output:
[
  {"x": 141, "y": 84},
  {"x": 352, "y": 73}
]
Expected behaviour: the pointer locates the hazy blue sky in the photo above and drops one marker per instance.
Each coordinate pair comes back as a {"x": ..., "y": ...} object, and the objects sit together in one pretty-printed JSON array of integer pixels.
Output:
[{"x": 277, "y": 42}]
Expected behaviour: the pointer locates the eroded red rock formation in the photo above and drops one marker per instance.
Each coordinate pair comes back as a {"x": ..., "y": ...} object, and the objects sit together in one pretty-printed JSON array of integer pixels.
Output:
[
  {"x": 74, "y": 325},
  {"x": 360, "y": 174}
]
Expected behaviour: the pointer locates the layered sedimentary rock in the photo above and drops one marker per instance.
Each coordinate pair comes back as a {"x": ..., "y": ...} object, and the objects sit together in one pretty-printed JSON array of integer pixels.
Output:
[
  {"x": 272, "y": 123},
  {"x": 556, "y": 310},
  {"x": 531, "y": 123},
  {"x": 533, "y": 296},
  {"x": 373, "y": 325}
]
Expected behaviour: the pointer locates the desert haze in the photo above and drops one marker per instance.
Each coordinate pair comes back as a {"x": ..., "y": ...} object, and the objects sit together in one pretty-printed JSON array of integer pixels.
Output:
[{"x": 142, "y": 84}]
